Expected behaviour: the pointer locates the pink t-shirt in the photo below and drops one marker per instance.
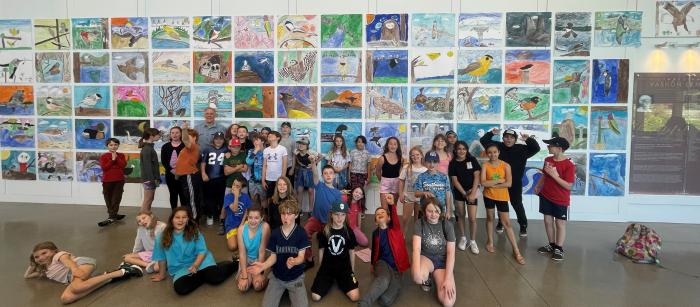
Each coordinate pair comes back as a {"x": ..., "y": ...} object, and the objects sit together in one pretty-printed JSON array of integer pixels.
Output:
[
  {"x": 444, "y": 164},
  {"x": 57, "y": 271}
]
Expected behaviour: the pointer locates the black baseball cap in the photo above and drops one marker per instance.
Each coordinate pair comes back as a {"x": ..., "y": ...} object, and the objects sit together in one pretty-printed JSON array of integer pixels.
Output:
[
  {"x": 558, "y": 141},
  {"x": 451, "y": 132},
  {"x": 219, "y": 135},
  {"x": 266, "y": 129},
  {"x": 288, "y": 124},
  {"x": 510, "y": 132}
]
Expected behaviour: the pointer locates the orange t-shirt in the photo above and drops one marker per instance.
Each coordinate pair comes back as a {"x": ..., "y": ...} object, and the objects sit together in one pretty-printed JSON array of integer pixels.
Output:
[
  {"x": 187, "y": 161},
  {"x": 495, "y": 173}
]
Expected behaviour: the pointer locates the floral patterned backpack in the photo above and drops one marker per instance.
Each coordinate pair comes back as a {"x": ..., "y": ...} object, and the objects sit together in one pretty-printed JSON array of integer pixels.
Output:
[{"x": 640, "y": 243}]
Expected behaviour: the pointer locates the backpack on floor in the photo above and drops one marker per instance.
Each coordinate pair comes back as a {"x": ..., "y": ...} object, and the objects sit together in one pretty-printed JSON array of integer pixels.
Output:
[{"x": 640, "y": 243}]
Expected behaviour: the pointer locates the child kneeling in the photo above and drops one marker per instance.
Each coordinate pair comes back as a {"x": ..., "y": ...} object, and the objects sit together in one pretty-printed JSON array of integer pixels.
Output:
[{"x": 252, "y": 240}]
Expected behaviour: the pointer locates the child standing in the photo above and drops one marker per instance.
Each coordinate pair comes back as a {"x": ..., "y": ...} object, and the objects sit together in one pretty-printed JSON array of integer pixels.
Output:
[
  {"x": 149, "y": 228},
  {"x": 286, "y": 246},
  {"x": 388, "y": 169},
  {"x": 255, "y": 162},
  {"x": 465, "y": 173},
  {"x": 213, "y": 178},
  {"x": 407, "y": 189},
  {"x": 440, "y": 147},
  {"x": 359, "y": 164},
  {"x": 235, "y": 164},
  {"x": 326, "y": 195},
  {"x": 357, "y": 207},
  {"x": 554, "y": 189},
  {"x": 301, "y": 170},
  {"x": 168, "y": 158},
  {"x": 336, "y": 245},
  {"x": 187, "y": 171},
  {"x": 252, "y": 240},
  {"x": 235, "y": 205},
  {"x": 150, "y": 167},
  {"x": 274, "y": 163},
  {"x": 496, "y": 178},
  {"x": 112, "y": 164},
  {"x": 338, "y": 158},
  {"x": 389, "y": 256},
  {"x": 434, "y": 183}
]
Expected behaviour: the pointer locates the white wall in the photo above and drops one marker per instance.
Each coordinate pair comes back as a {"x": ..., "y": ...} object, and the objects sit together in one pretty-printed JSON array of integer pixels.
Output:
[{"x": 645, "y": 59}]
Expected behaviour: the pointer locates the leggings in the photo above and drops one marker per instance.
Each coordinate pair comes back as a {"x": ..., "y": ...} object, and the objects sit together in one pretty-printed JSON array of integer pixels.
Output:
[
  {"x": 192, "y": 185},
  {"x": 212, "y": 275},
  {"x": 214, "y": 190},
  {"x": 175, "y": 190}
]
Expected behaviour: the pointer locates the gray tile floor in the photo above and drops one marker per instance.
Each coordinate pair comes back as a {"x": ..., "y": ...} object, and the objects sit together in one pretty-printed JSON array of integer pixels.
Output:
[{"x": 591, "y": 275}]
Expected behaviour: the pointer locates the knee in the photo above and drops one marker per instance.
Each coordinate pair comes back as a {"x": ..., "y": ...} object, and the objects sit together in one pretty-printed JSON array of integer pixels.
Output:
[
  {"x": 506, "y": 223},
  {"x": 67, "y": 297},
  {"x": 182, "y": 290},
  {"x": 259, "y": 285},
  {"x": 472, "y": 219},
  {"x": 489, "y": 217}
]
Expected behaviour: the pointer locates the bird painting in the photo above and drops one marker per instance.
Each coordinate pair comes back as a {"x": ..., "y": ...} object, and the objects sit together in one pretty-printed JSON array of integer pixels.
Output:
[
  {"x": 90, "y": 101},
  {"x": 298, "y": 70},
  {"x": 621, "y": 28},
  {"x": 51, "y": 105},
  {"x": 680, "y": 17},
  {"x": 606, "y": 79},
  {"x": 130, "y": 69},
  {"x": 527, "y": 105},
  {"x": 612, "y": 124},
  {"x": 343, "y": 67},
  {"x": 477, "y": 69},
  {"x": 569, "y": 31},
  {"x": 393, "y": 62},
  {"x": 573, "y": 83}
]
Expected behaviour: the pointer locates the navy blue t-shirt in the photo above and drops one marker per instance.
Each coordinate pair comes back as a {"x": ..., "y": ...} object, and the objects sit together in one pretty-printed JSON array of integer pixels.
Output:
[
  {"x": 385, "y": 249},
  {"x": 214, "y": 161},
  {"x": 285, "y": 247}
]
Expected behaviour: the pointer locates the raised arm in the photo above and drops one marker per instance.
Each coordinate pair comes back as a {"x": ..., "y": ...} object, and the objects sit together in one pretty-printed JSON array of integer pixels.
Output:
[
  {"x": 486, "y": 139},
  {"x": 531, "y": 146}
]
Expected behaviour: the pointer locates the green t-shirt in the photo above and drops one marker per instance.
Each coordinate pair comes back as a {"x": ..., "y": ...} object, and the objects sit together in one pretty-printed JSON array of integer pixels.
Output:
[{"x": 234, "y": 161}]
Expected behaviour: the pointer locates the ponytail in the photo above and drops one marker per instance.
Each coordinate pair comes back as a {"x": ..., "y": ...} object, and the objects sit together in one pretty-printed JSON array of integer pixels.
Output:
[{"x": 147, "y": 134}]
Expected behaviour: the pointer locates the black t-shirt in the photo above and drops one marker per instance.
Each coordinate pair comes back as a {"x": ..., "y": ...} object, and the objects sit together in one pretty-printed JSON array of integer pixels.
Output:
[
  {"x": 464, "y": 171},
  {"x": 336, "y": 248}
]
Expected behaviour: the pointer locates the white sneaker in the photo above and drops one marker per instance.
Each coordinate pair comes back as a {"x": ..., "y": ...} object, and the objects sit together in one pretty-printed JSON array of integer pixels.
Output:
[
  {"x": 462, "y": 243},
  {"x": 473, "y": 247},
  {"x": 210, "y": 221}
]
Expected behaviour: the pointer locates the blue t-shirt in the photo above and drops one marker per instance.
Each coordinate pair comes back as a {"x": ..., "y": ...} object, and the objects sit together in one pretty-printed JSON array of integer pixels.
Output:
[
  {"x": 214, "y": 161},
  {"x": 285, "y": 247},
  {"x": 325, "y": 196},
  {"x": 182, "y": 254},
  {"x": 438, "y": 184},
  {"x": 256, "y": 162},
  {"x": 385, "y": 249},
  {"x": 234, "y": 219}
]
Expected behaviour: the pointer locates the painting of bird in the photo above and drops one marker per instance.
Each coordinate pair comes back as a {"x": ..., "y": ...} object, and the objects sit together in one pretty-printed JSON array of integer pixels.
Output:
[
  {"x": 680, "y": 17},
  {"x": 298, "y": 70},
  {"x": 477, "y": 69},
  {"x": 527, "y": 105},
  {"x": 622, "y": 28},
  {"x": 569, "y": 31},
  {"x": 90, "y": 101},
  {"x": 573, "y": 83},
  {"x": 51, "y": 105},
  {"x": 612, "y": 124},
  {"x": 129, "y": 69},
  {"x": 607, "y": 82},
  {"x": 393, "y": 62}
]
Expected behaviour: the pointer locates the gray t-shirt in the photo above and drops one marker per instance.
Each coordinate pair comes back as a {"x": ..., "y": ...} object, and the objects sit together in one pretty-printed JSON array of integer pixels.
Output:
[
  {"x": 433, "y": 241},
  {"x": 206, "y": 133},
  {"x": 359, "y": 160}
]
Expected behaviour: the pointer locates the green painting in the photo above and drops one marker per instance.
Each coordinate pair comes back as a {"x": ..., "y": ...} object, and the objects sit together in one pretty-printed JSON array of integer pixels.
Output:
[{"x": 341, "y": 31}]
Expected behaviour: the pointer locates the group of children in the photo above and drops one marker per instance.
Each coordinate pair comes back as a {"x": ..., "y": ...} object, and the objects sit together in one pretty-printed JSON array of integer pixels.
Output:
[{"x": 261, "y": 208}]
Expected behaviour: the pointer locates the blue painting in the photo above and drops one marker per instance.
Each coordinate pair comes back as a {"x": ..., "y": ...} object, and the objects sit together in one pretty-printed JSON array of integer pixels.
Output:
[
  {"x": 349, "y": 131},
  {"x": 479, "y": 103},
  {"x": 480, "y": 30},
  {"x": 307, "y": 129},
  {"x": 422, "y": 134},
  {"x": 377, "y": 133},
  {"x": 297, "y": 102},
  {"x": 171, "y": 101},
  {"x": 91, "y": 67},
  {"x": 540, "y": 133},
  {"x": 18, "y": 164},
  {"x": 254, "y": 67},
  {"x": 87, "y": 166},
  {"x": 343, "y": 102},
  {"x": 480, "y": 67},
  {"x": 607, "y": 174},
  {"x": 387, "y": 30},
  {"x": 53, "y": 67},
  {"x": 387, "y": 66},
  {"x": 528, "y": 29},
  {"x": 433, "y": 30},
  {"x": 571, "y": 78},
  {"x": 92, "y": 100},
  {"x": 434, "y": 67},
  {"x": 572, "y": 32},
  {"x": 55, "y": 133},
  {"x": 341, "y": 66},
  {"x": 608, "y": 128},
  {"x": 92, "y": 133},
  {"x": 471, "y": 133},
  {"x": 386, "y": 102},
  {"x": 533, "y": 173},
  {"x": 618, "y": 29},
  {"x": 17, "y": 132},
  {"x": 218, "y": 97},
  {"x": 610, "y": 81}
]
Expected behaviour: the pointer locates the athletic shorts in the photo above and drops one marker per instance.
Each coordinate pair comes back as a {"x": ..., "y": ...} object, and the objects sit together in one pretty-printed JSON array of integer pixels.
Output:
[
  {"x": 150, "y": 185},
  {"x": 500, "y": 205},
  {"x": 324, "y": 281},
  {"x": 232, "y": 233},
  {"x": 80, "y": 261},
  {"x": 547, "y": 207},
  {"x": 145, "y": 255}
]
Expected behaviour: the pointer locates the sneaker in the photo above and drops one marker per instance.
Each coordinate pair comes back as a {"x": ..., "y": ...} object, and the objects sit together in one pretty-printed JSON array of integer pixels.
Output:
[
  {"x": 132, "y": 270},
  {"x": 150, "y": 268},
  {"x": 558, "y": 254},
  {"x": 427, "y": 285},
  {"x": 210, "y": 221},
  {"x": 462, "y": 244},
  {"x": 523, "y": 231},
  {"x": 473, "y": 247},
  {"x": 499, "y": 228},
  {"x": 119, "y": 217},
  {"x": 105, "y": 222},
  {"x": 546, "y": 249}
]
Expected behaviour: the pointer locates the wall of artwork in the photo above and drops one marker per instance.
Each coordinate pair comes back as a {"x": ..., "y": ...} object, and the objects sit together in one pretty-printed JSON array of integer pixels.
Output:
[{"x": 73, "y": 73}]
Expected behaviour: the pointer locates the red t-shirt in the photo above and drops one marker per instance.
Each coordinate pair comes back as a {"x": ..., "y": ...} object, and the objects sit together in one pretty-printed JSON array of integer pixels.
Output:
[{"x": 551, "y": 190}]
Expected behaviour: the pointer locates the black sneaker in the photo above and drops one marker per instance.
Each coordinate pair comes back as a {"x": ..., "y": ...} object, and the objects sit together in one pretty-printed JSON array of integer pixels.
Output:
[
  {"x": 119, "y": 217},
  {"x": 558, "y": 254},
  {"x": 105, "y": 222},
  {"x": 427, "y": 285},
  {"x": 546, "y": 249},
  {"x": 308, "y": 264},
  {"x": 132, "y": 270},
  {"x": 523, "y": 231},
  {"x": 499, "y": 228}
]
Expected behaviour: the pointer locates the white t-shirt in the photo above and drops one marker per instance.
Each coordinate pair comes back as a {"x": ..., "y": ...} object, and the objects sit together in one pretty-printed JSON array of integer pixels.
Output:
[
  {"x": 409, "y": 190},
  {"x": 274, "y": 158}
]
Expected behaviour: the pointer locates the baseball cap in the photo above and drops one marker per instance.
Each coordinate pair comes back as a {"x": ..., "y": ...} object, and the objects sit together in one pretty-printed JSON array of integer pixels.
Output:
[
  {"x": 432, "y": 156},
  {"x": 266, "y": 129},
  {"x": 219, "y": 135},
  {"x": 288, "y": 124},
  {"x": 304, "y": 141},
  {"x": 450, "y": 132},
  {"x": 339, "y": 206},
  {"x": 510, "y": 132},
  {"x": 558, "y": 141},
  {"x": 234, "y": 142}
]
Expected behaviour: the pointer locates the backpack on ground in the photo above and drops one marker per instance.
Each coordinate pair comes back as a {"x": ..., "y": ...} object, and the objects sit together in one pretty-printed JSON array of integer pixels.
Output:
[{"x": 640, "y": 243}]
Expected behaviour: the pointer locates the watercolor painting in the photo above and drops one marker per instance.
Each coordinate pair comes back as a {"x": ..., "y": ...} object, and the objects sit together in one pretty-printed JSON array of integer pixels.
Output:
[
  {"x": 341, "y": 31},
  {"x": 432, "y": 103},
  {"x": 90, "y": 33},
  {"x": 130, "y": 67},
  {"x": 52, "y": 34},
  {"x": 572, "y": 33},
  {"x": 87, "y": 166},
  {"x": 571, "y": 123},
  {"x": 527, "y": 66},
  {"x": 253, "y": 32},
  {"x": 471, "y": 133},
  {"x": 18, "y": 164},
  {"x": 610, "y": 81},
  {"x": 164, "y": 126},
  {"x": 17, "y": 132},
  {"x": 212, "y": 67},
  {"x": 618, "y": 29},
  {"x": 92, "y": 100},
  {"x": 677, "y": 18},
  {"x": 528, "y": 29},
  {"x": 54, "y": 100},
  {"x": 298, "y": 31},
  {"x": 539, "y": 131},
  {"x": 218, "y": 97},
  {"x": 297, "y": 101},
  {"x": 257, "y": 125},
  {"x": 129, "y": 33},
  {"x": 480, "y": 67},
  {"x": 386, "y": 102},
  {"x": 377, "y": 134},
  {"x": 349, "y": 131},
  {"x": 133, "y": 168},
  {"x": 480, "y": 30},
  {"x": 255, "y": 101},
  {"x": 16, "y": 100},
  {"x": 341, "y": 66},
  {"x": 478, "y": 103},
  {"x": 254, "y": 67},
  {"x": 533, "y": 173},
  {"x": 527, "y": 103},
  {"x": 171, "y": 67},
  {"x": 606, "y": 175},
  {"x": 433, "y": 30},
  {"x": 53, "y": 67},
  {"x": 342, "y": 102},
  {"x": 92, "y": 133},
  {"x": 170, "y": 32},
  {"x": 128, "y": 132},
  {"x": 16, "y": 34},
  {"x": 130, "y": 101},
  {"x": 171, "y": 101},
  {"x": 16, "y": 67},
  {"x": 571, "y": 80},
  {"x": 54, "y": 133},
  {"x": 55, "y": 165},
  {"x": 387, "y": 30},
  {"x": 435, "y": 67},
  {"x": 297, "y": 67},
  {"x": 387, "y": 66},
  {"x": 211, "y": 32},
  {"x": 91, "y": 67},
  {"x": 608, "y": 128},
  {"x": 422, "y": 134},
  {"x": 306, "y": 129}
]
